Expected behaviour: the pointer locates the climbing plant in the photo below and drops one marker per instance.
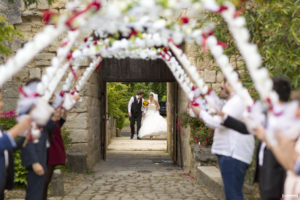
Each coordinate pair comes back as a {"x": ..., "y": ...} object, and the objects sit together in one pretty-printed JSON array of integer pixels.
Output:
[{"x": 273, "y": 26}]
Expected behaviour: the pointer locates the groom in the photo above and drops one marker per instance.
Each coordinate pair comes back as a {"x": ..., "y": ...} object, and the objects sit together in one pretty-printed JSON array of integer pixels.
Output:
[{"x": 135, "y": 112}]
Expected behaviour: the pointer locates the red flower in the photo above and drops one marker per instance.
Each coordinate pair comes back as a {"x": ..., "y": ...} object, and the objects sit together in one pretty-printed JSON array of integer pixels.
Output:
[
  {"x": 196, "y": 139},
  {"x": 185, "y": 20}
]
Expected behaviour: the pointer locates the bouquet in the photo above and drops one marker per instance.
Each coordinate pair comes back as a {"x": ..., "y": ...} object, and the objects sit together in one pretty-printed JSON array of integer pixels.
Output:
[{"x": 146, "y": 103}]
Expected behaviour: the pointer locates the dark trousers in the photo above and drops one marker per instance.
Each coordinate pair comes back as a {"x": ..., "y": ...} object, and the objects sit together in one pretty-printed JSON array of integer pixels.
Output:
[
  {"x": 233, "y": 173},
  {"x": 35, "y": 187},
  {"x": 138, "y": 119},
  {"x": 50, "y": 170},
  {"x": 271, "y": 177}
]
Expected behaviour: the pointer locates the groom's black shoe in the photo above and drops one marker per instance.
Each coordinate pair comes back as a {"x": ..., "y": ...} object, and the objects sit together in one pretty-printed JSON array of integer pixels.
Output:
[
  {"x": 131, "y": 137},
  {"x": 139, "y": 138}
]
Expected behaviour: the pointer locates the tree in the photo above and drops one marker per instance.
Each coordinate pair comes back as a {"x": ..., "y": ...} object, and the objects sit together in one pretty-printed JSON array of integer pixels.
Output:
[
  {"x": 274, "y": 27},
  {"x": 7, "y": 34}
]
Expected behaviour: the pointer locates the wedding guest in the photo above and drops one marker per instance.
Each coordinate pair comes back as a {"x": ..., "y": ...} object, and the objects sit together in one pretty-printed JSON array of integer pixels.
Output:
[
  {"x": 34, "y": 155},
  {"x": 56, "y": 151},
  {"x": 234, "y": 150},
  {"x": 7, "y": 143},
  {"x": 269, "y": 173}
]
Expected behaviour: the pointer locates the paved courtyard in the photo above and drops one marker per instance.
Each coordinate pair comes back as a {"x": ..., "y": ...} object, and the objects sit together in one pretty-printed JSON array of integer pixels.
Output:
[
  {"x": 133, "y": 171},
  {"x": 138, "y": 175}
]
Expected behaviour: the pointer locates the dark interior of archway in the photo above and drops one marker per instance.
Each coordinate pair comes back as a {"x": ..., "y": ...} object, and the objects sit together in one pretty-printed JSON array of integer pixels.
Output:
[{"x": 135, "y": 70}]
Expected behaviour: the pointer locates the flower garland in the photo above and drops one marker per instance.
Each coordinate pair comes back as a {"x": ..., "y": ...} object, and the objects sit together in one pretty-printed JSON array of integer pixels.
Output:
[{"x": 249, "y": 51}]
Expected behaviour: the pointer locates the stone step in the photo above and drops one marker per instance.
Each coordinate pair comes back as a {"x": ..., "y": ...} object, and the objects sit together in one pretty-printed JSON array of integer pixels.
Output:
[{"x": 211, "y": 177}]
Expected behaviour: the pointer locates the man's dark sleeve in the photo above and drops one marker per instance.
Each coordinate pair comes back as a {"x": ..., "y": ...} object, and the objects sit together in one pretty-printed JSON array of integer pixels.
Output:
[{"x": 236, "y": 125}]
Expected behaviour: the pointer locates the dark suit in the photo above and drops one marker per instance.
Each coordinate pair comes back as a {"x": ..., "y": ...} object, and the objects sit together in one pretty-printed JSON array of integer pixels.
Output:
[
  {"x": 271, "y": 175},
  {"x": 36, "y": 153},
  {"x": 5, "y": 144},
  {"x": 136, "y": 115}
]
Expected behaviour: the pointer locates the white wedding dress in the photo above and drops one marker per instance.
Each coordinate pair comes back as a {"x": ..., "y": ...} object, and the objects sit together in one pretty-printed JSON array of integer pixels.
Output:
[{"x": 153, "y": 124}]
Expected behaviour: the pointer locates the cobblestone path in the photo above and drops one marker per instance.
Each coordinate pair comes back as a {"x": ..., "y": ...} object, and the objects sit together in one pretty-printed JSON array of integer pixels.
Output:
[{"x": 139, "y": 175}]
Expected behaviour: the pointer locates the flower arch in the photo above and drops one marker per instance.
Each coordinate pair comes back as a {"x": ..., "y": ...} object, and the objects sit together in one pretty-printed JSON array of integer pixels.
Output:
[{"x": 140, "y": 29}]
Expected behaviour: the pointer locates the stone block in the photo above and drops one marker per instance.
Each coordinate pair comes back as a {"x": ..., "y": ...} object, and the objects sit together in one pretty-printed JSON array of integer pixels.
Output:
[
  {"x": 43, "y": 4},
  {"x": 35, "y": 73},
  {"x": 77, "y": 121},
  {"x": 220, "y": 77},
  {"x": 77, "y": 162},
  {"x": 79, "y": 147},
  {"x": 58, "y": 4},
  {"x": 216, "y": 87},
  {"x": 21, "y": 76},
  {"x": 44, "y": 56},
  {"x": 79, "y": 136},
  {"x": 211, "y": 177},
  {"x": 57, "y": 183},
  {"x": 210, "y": 76},
  {"x": 203, "y": 154},
  {"x": 43, "y": 63}
]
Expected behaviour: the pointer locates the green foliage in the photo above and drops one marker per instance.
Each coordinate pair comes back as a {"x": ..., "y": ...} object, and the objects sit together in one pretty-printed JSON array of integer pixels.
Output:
[
  {"x": 274, "y": 27},
  {"x": 66, "y": 138},
  {"x": 7, "y": 123},
  {"x": 120, "y": 93},
  {"x": 200, "y": 134},
  {"x": 20, "y": 171},
  {"x": 7, "y": 34}
]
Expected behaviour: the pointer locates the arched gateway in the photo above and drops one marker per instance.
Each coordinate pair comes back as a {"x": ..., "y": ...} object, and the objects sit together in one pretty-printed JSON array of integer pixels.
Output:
[{"x": 135, "y": 30}]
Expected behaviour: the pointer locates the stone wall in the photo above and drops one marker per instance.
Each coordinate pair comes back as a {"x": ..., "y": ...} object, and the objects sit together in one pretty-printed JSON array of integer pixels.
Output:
[
  {"x": 83, "y": 122},
  {"x": 111, "y": 130}
]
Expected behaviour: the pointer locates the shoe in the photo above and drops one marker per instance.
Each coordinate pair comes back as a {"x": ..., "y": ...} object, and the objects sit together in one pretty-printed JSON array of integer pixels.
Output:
[
  {"x": 131, "y": 137},
  {"x": 139, "y": 138}
]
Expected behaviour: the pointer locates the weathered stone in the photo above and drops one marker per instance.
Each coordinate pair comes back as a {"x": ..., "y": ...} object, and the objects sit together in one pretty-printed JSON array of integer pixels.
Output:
[
  {"x": 210, "y": 76},
  {"x": 22, "y": 76},
  {"x": 220, "y": 77},
  {"x": 45, "y": 56},
  {"x": 79, "y": 147},
  {"x": 216, "y": 86},
  {"x": 42, "y": 62},
  {"x": 203, "y": 154},
  {"x": 80, "y": 122},
  {"x": 57, "y": 183},
  {"x": 78, "y": 136},
  {"x": 11, "y": 11},
  {"x": 35, "y": 73},
  {"x": 77, "y": 162},
  {"x": 43, "y": 4},
  {"x": 58, "y": 4}
]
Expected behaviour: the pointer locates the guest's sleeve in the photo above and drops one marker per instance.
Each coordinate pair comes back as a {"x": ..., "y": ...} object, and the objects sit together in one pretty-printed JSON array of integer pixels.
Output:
[
  {"x": 212, "y": 121},
  {"x": 235, "y": 124},
  {"x": 130, "y": 104},
  {"x": 6, "y": 142}
]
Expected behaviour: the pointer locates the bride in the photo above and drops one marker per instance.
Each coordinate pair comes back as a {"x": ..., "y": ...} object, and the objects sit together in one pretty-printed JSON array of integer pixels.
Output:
[{"x": 153, "y": 123}]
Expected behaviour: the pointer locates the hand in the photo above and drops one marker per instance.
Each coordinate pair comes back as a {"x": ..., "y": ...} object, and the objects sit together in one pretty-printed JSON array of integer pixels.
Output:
[
  {"x": 38, "y": 169},
  {"x": 196, "y": 109},
  {"x": 260, "y": 133},
  {"x": 143, "y": 115},
  {"x": 129, "y": 114}
]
